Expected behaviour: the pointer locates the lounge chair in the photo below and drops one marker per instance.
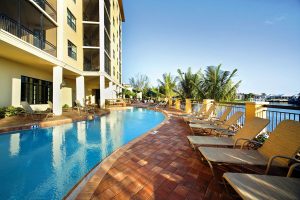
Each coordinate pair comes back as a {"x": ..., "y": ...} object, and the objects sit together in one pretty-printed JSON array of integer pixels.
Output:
[
  {"x": 216, "y": 121},
  {"x": 195, "y": 114},
  {"x": 50, "y": 105},
  {"x": 32, "y": 113},
  {"x": 85, "y": 109},
  {"x": 203, "y": 115},
  {"x": 278, "y": 149},
  {"x": 224, "y": 128},
  {"x": 253, "y": 186},
  {"x": 247, "y": 132}
]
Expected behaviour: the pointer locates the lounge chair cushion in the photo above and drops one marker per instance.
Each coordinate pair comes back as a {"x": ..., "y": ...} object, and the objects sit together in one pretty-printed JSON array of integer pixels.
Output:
[
  {"x": 208, "y": 140},
  {"x": 204, "y": 126},
  {"x": 251, "y": 186},
  {"x": 233, "y": 156}
]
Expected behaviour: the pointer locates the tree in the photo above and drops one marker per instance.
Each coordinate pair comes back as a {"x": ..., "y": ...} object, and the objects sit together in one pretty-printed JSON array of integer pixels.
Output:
[
  {"x": 217, "y": 84},
  {"x": 168, "y": 84},
  {"x": 139, "y": 82},
  {"x": 186, "y": 88}
]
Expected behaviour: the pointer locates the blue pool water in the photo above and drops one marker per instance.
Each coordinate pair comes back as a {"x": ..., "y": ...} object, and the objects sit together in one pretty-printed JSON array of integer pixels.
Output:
[{"x": 47, "y": 163}]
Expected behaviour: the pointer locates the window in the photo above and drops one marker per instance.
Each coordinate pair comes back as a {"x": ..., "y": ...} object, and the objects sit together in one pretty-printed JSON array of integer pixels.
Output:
[
  {"x": 72, "y": 50},
  {"x": 74, "y": 1},
  {"x": 71, "y": 20},
  {"x": 114, "y": 71},
  {"x": 114, "y": 37},
  {"x": 35, "y": 91},
  {"x": 114, "y": 54}
]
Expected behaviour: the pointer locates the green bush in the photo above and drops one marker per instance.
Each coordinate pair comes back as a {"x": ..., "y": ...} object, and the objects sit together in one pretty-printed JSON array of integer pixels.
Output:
[
  {"x": 66, "y": 106},
  {"x": 262, "y": 137},
  {"x": 2, "y": 112},
  {"x": 10, "y": 111}
]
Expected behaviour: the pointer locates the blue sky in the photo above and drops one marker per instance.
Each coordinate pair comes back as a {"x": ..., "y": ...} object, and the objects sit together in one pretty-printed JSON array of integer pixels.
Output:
[{"x": 261, "y": 38}]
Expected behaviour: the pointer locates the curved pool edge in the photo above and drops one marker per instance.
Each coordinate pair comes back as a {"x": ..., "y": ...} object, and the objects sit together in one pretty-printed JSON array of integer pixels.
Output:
[
  {"x": 103, "y": 166},
  {"x": 48, "y": 124}
]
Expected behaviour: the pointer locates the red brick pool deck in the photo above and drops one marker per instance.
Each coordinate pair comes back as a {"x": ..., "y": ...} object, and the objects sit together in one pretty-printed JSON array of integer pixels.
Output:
[{"x": 157, "y": 166}]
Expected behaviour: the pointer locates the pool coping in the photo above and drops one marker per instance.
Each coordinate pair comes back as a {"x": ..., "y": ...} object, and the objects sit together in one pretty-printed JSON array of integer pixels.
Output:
[
  {"x": 47, "y": 124},
  {"x": 103, "y": 166}
]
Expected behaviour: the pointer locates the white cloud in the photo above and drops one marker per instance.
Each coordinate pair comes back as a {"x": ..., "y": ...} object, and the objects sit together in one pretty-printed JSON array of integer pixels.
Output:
[{"x": 274, "y": 20}]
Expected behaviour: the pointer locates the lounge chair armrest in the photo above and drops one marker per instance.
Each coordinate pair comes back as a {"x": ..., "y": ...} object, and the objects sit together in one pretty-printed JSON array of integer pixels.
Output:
[
  {"x": 224, "y": 132},
  {"x": 275, "y": 157},
  {"x": 241, "y": 139},
  {"x": 292, "y": 167}
]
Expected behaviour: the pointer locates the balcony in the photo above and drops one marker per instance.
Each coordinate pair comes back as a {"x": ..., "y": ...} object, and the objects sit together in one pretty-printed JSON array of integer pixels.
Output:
[
  {"x": 24, "y": 33},
  {"x": 91, "y": 60},
  {"x": 49, "y": 7},
  {"x": 90, "y": 10},
  {"x": 107, "y": 65},
  {"x": 91, "y": 35}
]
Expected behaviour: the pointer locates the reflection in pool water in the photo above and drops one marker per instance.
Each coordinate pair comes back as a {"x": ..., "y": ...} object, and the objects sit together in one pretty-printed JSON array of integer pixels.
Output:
[{"x": 47, "y": 163}]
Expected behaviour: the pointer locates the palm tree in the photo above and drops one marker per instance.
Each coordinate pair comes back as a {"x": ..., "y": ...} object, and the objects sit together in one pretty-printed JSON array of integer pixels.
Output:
[
  {"x": 168, "y": 84},
  {"x": 186, "y": 88},
  {"x": 139, "y": 82},
  {"x": 217, "y": 84}
]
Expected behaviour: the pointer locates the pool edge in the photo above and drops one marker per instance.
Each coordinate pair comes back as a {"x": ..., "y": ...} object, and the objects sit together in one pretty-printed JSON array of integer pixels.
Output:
[{"x": 102, "y": 167}]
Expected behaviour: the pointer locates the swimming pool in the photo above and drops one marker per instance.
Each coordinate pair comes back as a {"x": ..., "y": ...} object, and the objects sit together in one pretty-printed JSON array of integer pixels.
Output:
[{"x": 47, "y": 163}]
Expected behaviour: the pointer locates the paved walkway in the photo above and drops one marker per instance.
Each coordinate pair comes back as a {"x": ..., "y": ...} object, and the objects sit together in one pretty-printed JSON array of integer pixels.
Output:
[{"x": 158, "y": 166}]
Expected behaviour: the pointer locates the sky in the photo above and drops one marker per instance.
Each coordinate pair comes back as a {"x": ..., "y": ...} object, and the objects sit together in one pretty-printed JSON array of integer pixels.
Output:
[{"x": 260, "y": 38}]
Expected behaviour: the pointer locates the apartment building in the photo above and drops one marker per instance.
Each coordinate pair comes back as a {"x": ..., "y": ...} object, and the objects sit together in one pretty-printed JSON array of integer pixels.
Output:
[{"x": 60, "y": 51}]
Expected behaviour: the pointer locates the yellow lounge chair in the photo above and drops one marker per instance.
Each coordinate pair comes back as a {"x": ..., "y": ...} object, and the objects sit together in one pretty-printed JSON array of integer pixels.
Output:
[
  {"x": 278, "y": 149},
  {"x": 264, "y": 187},
  {"x": 222, "y": 127},
  {"x": 248, "y": 132}
]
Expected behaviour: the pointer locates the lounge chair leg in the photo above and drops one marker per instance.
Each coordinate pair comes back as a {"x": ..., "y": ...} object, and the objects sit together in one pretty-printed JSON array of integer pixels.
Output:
[{"x": 212, "y": 168}]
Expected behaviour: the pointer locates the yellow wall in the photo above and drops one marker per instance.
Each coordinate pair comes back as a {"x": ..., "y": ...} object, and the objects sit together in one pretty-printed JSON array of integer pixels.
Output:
[
  {"x": 10, "y": 83},
  {"x": 10, "y": 80},
  {"x": 115, "y": 45},
  {"x": 69, "y": 34}
]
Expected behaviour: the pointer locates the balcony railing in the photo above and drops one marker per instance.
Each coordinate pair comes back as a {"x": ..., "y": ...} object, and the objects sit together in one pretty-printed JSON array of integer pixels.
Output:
[
  {"x": 89, "y": 67},
  {"x": 25, "y": 34},
  {"x": 277, "y": 113},
  {"x": 47, "y": 7},
  {"x": 236, "y": 107}
]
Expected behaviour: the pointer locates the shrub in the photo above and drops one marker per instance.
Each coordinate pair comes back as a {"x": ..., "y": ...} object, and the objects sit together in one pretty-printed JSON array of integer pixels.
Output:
[
  {"x": 2, "y": 112},
  {"x": 66, "y": 106},
  {"x": 10, "y": 111}
]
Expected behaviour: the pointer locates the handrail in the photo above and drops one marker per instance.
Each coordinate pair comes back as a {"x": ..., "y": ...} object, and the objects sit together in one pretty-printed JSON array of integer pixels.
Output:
[
  {"x": 42, "y": 4},
  {"x": 282, "y": 107},
  {"x": 12, "y": 26}
]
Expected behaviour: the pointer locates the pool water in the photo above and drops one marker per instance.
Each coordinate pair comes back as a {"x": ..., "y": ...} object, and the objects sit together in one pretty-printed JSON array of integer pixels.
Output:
[{"x": 46, "y": 163}]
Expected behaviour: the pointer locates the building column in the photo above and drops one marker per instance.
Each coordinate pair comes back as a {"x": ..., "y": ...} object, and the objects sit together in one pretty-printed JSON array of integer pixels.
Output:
[
  {"x": 188, "y": 106},
  {"x": 177, "y": 104},
  {"x": 207, "y": 103},
  {"x": 57, "y": 81},
  {"x": 255, "y": 109},
  {"x": 16, "y": 92},
  {"x": 80, "y": 89},
  {"x": 102, "y": 91}
]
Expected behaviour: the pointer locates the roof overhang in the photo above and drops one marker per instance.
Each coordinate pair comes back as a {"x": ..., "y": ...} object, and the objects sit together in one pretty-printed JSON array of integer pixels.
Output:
[{"x": 122, "y": 10}]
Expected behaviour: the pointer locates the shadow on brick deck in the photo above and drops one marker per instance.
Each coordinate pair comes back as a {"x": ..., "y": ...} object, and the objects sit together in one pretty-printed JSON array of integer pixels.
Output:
[{"x": 159, "y": 166}]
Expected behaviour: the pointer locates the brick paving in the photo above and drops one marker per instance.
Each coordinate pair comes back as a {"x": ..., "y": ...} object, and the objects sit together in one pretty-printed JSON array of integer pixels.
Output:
[{"x": 157, "y": 166}]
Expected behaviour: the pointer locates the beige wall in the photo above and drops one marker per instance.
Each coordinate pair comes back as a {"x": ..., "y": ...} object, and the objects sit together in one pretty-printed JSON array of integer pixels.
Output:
[
  {"x": 10, "y": 80},
  {"x": 115, "y": 33},
  {"x": 10, "y": 83},
  {"x": 69, "y": 34}
]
